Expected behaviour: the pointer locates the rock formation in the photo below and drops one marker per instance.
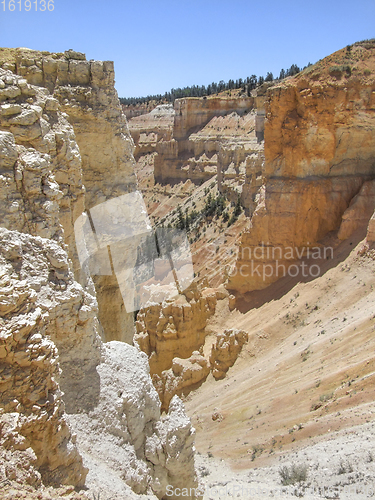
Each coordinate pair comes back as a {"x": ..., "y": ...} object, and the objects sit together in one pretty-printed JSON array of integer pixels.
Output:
[
  {"x": 64, "y": 148},
  {"x": 225, "y": 351},
  {"x": 37, "y": 297},
  {"x": 149, "y": 129},
  {"x": 142, "y": 449},
  {"x": 174, "y": 328},
  {"x": 319, "y": 152},
  {"x": 184, "y": 376},
  {"x": 84, "y": 91},
  {"x": 192, "y": 153}
]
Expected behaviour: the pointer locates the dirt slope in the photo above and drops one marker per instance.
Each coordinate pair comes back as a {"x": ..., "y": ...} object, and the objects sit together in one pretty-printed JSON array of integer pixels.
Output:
[{"x": 307, "y": 369}]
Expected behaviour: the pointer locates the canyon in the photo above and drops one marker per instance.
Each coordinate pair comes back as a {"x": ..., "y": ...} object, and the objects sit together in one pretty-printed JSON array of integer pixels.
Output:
[{"x": 266, "y": 353}]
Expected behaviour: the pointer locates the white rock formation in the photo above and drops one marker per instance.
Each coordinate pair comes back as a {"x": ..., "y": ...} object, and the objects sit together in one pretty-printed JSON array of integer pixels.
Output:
[{"x": 125, "y": 436}]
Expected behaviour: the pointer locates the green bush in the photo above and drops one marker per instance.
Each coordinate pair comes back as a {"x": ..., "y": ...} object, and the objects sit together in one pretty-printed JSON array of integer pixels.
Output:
[{"x": 339, "y": 70}]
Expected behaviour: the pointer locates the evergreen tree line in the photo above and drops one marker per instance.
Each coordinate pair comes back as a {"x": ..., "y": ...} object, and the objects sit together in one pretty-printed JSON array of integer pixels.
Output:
[
  {"x": 247, "y": 85},
  {"x": 214, "y": 207}
]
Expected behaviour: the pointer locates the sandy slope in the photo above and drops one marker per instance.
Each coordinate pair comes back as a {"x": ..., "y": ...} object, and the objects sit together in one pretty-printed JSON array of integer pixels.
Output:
[{"x": 312, "y": 348}]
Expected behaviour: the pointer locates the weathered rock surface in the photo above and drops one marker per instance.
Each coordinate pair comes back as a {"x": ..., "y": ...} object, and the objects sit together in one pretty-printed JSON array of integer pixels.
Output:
[
  {"x": 41, "y": 189},
  {"x": 125, "y": 434},
  {"x": 319, "y": 151},
  {"x": 371, "y": 230},
  {"x": 149, "y": 129},
  {"x": 40, "y": 304},
  {"x": 225, "y": 351},
  {"x": 359, "y": 211},
  {"x": 200, "y": 127},
  {"x": 174, "y": 328},
  {"x": 103, "y": 160},
  {"x": 62, "y": 133},
  {"x": 184, "y": 376}
]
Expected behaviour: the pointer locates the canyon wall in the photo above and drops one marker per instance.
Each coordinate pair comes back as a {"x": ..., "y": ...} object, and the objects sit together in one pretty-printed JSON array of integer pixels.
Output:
[
  {"x": 200, "y": 138},
  {"x": 84, "y": 91},
  {"x": 64, "y": 148},
  {"x": 319, "y": 152},
  {"x": 198, "y": 134},
  {"x": 149, "y": 129}
]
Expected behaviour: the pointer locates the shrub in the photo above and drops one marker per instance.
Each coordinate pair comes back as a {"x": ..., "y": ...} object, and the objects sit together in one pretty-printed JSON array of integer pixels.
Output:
[
  {"x": 257, "y": 450},
  {"x": 293, "y": 474},
  {"x": 339, "y": 70}
]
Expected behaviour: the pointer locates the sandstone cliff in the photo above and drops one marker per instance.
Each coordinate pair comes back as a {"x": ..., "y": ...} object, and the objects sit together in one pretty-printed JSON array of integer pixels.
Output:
[
  {"x": 191, "y": 156},
  {"x": 319, "y": 152}
]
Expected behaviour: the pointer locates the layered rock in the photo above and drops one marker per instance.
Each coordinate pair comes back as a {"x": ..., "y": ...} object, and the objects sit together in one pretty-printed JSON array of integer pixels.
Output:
[
  {"x": 37, "y": 295},
  {"x": 50, "y": 336},
  {"x": 41, "y": 187},
  {"x": 198, "y": 133},
  {"x": 84, "y": 90},
  {"x": 184, "y": 376},
  {"x": 359, "y": 211},
  {"x": 319, "y": 150},
  {"x": 149, "y": 129},
  {"x": 195, "y": 112}
]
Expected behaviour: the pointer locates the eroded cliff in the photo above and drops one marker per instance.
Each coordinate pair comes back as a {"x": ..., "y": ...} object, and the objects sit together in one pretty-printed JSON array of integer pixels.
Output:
[
  {"x": 64, "y": 148},
  {"x": 319, "y": 155}
]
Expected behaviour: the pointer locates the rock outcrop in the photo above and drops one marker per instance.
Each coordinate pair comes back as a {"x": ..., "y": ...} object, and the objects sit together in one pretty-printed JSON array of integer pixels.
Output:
[
  {"x": 174, "y": 328},
  {"x": 184, "y": 376},
  {"x": 319, "y": 152},
  {"x": 84, "y": 91},
  {"x": 125, "y": 438},
  {"x": 40, "y": 304},
  {"x": 64, "y": 148},
  {"x": 225, "y": 351}
]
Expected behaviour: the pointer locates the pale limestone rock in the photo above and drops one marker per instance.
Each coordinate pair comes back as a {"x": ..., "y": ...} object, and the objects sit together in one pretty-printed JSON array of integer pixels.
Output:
[
  {"x": 31, "y": 308},
  {"x": 125, "y": 433},
  {"x": 8, "y": 153},
  {"x": 44, "y": 193},
  {"x": 95, "y": 150}
]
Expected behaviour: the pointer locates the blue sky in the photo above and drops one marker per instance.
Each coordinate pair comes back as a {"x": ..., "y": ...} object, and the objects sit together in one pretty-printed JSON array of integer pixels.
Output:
[{"x": 157, "y": 45}]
